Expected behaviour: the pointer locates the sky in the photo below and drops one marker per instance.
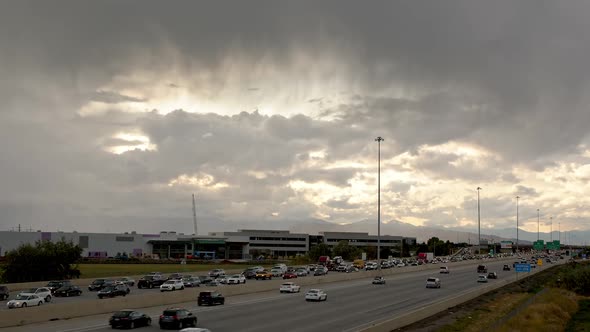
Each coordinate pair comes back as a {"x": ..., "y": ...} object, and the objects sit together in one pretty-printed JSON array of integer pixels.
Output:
[{"x": 112, "y": 114}]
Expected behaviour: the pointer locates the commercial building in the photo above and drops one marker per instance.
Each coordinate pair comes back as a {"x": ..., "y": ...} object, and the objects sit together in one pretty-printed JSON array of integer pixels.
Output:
[{"x": 243, "y": 244}]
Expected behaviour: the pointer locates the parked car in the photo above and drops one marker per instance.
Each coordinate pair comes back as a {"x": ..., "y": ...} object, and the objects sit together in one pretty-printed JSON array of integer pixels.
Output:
[
  {"x": 290, "y": 275},
  {"x": 210, "y": 298},
  {"x": 492, "y": 275},
  {"x": 316, "y": 295},
  {"x": 482, "y": 278},
  {"x": 191, "y": 282},
  {"x": 171, "y": 285},
  {"x": 68, "y": 291},
  {"x": 42, "y": 292},
  {"x": 55, "y": 284},
  {"x": 177, "y": 318},
  {"x": 289, "y": 287},
  {"x": 236, "y": 279},
  {"x": 433, "y": 282},
  {"x": 25, "y": 300},
  {"x": 4, "y": 293},
  {"x": 263, "y": 275},
  {"x": 112, "y": 291},
  {"x": 506, "y": 267},
  {"x": 216, "y": 273},
  {"x": 126, "y": 280},
  {"x": 129, "y": 319},
  {"x": 444, "y": 270},
  {"x": 150, "y": 281},
  {"x": 378, "y": 281}
]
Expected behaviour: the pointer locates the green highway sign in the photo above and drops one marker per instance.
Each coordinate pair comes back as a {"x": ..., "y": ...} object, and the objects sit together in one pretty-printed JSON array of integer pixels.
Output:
[{"x": 539, "y": 245}]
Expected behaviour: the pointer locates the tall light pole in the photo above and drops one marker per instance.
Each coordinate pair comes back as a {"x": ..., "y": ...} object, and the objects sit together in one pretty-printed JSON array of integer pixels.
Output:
[
  {"x": 478, "y": 223},
  {"x": 379, "y": 139},
  {"x": 517, "y": 197},
  {"x": 538, "y": 224},
  {"x": 551, "y": 228}
]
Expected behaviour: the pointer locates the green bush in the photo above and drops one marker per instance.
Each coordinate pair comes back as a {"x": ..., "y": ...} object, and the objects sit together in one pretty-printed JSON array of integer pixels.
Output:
[{"x": 577, "y": 279}]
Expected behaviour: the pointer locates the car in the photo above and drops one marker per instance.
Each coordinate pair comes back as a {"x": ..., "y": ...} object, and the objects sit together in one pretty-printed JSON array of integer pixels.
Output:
[
  {"x": 191, "y": 282},
  {"x": 216, "y": 273},
  {"x": 301, "y": 272},
  {"x": 210, "y": 298},
  {"x": 444, "y": 269},
  {"x": 55, "y": 284},
  {"x": 205, "y": 279},
  {"x": 506, "y": 267},
  {"x": 174, "y": 276},
  {"x": 42, "y": 292},
  {"x": 433, "y": 282},
  {"x": 289, "y": 287},
  {"x": 350, "y": 268},
  {"x": 482, "y": 269},
  {"x": 370, "y": 266},
  {"x": 492, "y": 275},
  {"x": 263, "y": 275},
  {"x": 171, "y": 285},
  {"x": 290, "y": 275},
  {"x": 249, "y": 274},
  {"x": 195, "y": 329},
  {"x": 112, "y": 291},
  {"x": 211, "y": 283},
  {"x": 482, "y": 278},
  {"x": 277, "y": 272},
  {"x": 236, "y": 279},
  {"x": 316, "y": 295},
  {"x": 125, "y": 280},
  {"x": 533, "y": 265},
  {"x": 4, "y": 293},
  {"x": 320, "y": 271},
  {"x": 129, "y": 319},
  {"x": 341, "y": 268},
  {"x": 150, "y": 281},
  {"x": 177, "y": 318},
  {"x": 99, "y": 284},
  {"x": 25, "y": 300},
  {"x": 378, "y": 281},
  {"x": 68, "y": 291}
]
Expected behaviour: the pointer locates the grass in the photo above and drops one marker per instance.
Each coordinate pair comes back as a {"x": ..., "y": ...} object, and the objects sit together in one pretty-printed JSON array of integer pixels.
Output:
[
  {"x": 581, "y": 319},
  {"x": 115, "y": 270},
  {"x": 550, "y": 311},
  {"x": 486, "y": 314}
]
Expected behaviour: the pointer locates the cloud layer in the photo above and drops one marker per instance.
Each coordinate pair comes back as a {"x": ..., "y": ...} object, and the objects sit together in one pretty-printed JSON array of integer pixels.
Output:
[{"x": 268, "y": 112}]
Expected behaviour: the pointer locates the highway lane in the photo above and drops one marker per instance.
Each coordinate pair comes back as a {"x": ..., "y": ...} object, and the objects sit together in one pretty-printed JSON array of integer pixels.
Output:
[{"x": 351, "y": 305}]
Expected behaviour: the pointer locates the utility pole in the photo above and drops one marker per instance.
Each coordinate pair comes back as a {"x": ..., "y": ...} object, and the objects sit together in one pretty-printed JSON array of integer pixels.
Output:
[
  {"x": 478, "y": 223},
  {"x": 517, "y": 197},
  {"x": 538, "y": 224},
  {"x": 195, "y": 215},
  {"x": 551, "y": 227},
  {"x": 379, "y": 139}
]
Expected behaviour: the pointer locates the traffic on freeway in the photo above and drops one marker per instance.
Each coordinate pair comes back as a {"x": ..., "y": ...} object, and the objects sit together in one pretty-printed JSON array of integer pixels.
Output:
[{"x": 349, "y": 306}]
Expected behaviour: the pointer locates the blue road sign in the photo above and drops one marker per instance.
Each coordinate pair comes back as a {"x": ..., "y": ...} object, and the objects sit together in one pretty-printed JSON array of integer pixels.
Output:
[{"x": 522, "y": 267}]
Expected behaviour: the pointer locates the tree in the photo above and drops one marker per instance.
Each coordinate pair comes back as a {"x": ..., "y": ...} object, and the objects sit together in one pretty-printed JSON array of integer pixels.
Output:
[
  {"x": 319, "y": 250},
  {"x": 348, "y": 252},
  {"x": 43, "y": 261}
]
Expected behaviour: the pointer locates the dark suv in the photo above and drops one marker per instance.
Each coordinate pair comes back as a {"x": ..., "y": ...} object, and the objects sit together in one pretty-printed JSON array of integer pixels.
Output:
[
  {"x": 99, "y": 284},
  {"x": 482, "y": 269},
  {"x": 112, "y": 291},
  {"x": 177, "y": 318},
  {"x": 210, "y": 298},
  {"x": 4, "y": 293},
  {"x": 150, "y": 281},
  {"x": 55, "y": 284}
]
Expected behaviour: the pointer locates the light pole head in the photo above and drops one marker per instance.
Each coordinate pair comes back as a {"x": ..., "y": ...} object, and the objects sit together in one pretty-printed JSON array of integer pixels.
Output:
[
  {"x": 379, "y": 139},
  {"x": 479, "y": 188}
]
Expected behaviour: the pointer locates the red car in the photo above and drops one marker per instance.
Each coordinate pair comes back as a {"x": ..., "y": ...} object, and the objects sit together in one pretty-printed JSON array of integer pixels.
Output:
[{"x": 289, "y": 275}]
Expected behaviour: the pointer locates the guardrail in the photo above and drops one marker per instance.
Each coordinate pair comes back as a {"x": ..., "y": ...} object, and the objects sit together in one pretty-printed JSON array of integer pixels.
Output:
[{"x": 93, "y": 307}]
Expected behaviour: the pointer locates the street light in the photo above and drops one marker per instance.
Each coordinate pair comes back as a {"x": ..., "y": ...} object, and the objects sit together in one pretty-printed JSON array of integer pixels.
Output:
[
  {"x": 478, "y": 223},
  {"x": 379, "y": 139},
  {"x": 551, "y": 227},
  {"x": 517, "y": 197},
  {"x": 538, "y": 224}
]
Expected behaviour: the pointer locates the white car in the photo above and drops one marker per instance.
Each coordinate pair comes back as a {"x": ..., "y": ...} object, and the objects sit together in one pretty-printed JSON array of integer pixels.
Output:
[
  {"x": 316, "y": 295},
  {"x": 171, "y": 285},
  {"x": 25, "y": 300},
  {"x": 42, "y": 292},
  {"x": 482, "y": 278},
  {"x": 290, "y": 287},
  {"x": 433, "y": 282},
  {"x": 277, "y": 272},
  {"x": 444, "y": 269},
  {"x": 195, "y": 329},
  {"x": 236, "y": 279}
]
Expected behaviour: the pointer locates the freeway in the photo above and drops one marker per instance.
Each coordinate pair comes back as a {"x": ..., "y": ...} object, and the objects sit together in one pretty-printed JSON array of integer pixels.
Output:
[{"x": 351, "y": 305}]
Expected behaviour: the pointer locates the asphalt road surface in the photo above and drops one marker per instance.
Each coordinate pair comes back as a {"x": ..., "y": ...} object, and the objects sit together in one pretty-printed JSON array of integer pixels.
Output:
[{"x": 351, "y": 305}]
